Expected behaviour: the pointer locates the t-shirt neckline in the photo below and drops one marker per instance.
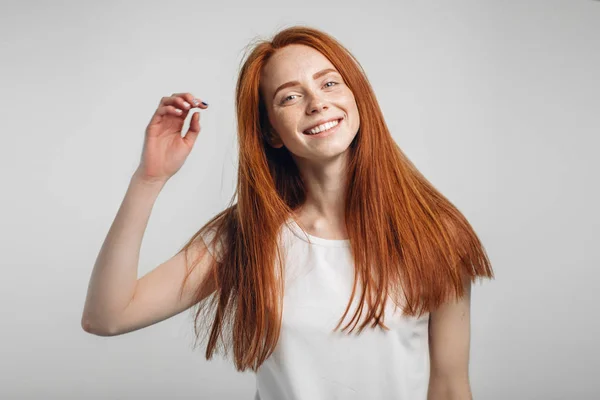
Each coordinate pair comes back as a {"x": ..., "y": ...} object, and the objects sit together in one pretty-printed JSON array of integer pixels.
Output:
[{"x": 297, "y": 231}]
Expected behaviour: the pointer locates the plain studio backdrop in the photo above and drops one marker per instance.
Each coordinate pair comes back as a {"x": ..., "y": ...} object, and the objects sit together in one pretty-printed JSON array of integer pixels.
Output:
[{"x": 497, "y": 103}]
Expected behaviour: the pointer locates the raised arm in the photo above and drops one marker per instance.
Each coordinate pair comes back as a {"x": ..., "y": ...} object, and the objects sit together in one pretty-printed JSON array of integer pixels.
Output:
[{"x": 116, "y": 300}]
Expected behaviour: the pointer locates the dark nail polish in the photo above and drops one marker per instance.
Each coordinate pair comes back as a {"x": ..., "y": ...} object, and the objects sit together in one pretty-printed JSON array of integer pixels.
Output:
[{"x": 204, "y": 103}]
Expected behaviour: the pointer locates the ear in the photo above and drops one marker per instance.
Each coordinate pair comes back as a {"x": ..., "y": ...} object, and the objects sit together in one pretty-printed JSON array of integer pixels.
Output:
[{"x": 274, "y": 140}]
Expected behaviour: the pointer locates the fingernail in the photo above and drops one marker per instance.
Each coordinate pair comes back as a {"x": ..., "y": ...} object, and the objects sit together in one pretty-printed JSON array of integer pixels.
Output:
[
  {"x": 195, "y": 101},
  {"x": 205, "y": 103}
]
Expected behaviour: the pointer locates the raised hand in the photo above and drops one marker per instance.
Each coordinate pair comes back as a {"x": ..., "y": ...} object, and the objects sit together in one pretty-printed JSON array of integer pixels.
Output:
[{"x": 165, "y": 151}]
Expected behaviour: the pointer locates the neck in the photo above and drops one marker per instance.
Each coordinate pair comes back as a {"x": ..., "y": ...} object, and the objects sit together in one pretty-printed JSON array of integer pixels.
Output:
[{"x": 325, "y": 198}]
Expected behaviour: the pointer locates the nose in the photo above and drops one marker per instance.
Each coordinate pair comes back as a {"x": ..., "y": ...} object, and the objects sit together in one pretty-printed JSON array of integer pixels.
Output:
[{"x": 316, "y": 105}]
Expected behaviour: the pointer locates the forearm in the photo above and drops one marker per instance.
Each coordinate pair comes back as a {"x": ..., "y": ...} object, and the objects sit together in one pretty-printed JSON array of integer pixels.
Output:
[
  {"x": 449, "y": 388},
  {"x": 115, "y": 271}
]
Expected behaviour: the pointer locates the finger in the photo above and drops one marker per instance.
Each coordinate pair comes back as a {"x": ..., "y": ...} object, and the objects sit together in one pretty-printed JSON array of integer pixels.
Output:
[
  {"x": 169, "y": 110},
  {"x": 195, "y": 122},
  {"x": 192, "y": 133},
  {"x": 191, "y": 99},
  {"x": 177, "y": 102}
]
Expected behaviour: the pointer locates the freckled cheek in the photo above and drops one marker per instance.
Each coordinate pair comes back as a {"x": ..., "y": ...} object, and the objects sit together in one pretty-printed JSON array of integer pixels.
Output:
[
  {"x": 350, "y": 108},
  {"x": 353, "y": 115},
  {"x": 287, "y": 124},
  {"x": 346, "y": 100}
]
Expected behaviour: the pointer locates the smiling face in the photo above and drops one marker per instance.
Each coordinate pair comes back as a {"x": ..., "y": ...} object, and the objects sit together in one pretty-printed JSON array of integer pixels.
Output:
[{"x": 302, "y": 90}]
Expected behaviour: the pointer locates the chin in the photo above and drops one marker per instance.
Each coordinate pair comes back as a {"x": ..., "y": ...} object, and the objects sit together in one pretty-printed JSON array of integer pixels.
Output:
[{"x": 332, "y": 150}]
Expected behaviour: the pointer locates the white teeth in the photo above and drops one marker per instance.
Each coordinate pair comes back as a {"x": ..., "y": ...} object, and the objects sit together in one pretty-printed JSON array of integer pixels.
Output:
[{"x": 323, "y": 127}]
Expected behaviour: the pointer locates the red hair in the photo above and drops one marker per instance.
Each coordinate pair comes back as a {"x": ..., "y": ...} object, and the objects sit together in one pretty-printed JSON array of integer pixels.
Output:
[{"x": 408, "y": 242}]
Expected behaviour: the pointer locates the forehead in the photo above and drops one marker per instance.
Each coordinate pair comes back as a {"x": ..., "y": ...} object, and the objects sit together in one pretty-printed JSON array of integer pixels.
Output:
[{"x": 293, "y": 62}]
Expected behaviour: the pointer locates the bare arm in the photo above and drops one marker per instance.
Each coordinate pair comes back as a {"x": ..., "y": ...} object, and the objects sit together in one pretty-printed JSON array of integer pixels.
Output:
[
  {"x": 114, "y": 276},
  {"x": 449, "y": 344},
  {"x": 117, "y": 301}
]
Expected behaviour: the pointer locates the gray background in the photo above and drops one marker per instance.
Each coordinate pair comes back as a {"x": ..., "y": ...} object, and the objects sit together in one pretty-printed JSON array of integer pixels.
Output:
[{"x": 496, "y": 102}]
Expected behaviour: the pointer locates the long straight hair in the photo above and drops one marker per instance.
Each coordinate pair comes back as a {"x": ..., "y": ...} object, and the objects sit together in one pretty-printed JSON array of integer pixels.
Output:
[{"x": 408, "y": 242}]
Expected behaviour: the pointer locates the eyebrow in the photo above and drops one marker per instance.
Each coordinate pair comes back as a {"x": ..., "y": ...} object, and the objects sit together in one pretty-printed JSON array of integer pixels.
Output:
[{"x": 294, "y": 83}]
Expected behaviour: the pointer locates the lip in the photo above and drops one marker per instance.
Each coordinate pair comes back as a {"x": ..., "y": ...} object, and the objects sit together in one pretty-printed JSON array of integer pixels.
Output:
[
  {"x": 328, "y": 132},
  {"x": 321, "y": 122}
]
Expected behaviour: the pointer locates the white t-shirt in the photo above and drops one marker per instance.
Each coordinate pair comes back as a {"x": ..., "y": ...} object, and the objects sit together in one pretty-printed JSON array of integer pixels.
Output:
[{"x": 311, "y": 362}]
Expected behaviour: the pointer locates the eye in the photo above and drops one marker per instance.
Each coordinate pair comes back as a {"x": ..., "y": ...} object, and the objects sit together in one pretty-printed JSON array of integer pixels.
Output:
[
  {"x": 287, "y": 98},
  {"x": 329, "y": 83}
]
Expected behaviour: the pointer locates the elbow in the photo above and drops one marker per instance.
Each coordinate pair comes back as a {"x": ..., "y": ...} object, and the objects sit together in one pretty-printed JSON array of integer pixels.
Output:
[{"x": 89, "y": 326}]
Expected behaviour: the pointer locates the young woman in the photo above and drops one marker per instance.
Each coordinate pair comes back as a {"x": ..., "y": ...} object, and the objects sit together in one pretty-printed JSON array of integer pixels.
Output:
[{"x": 331, "y": 220}]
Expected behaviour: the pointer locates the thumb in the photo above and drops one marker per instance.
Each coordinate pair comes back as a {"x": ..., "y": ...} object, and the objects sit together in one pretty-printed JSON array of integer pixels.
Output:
[{"x": 194, "y": 129}]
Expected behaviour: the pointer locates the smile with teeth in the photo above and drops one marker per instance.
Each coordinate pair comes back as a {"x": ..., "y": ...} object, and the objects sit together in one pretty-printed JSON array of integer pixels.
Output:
[{"x": 321, "y": 128}]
